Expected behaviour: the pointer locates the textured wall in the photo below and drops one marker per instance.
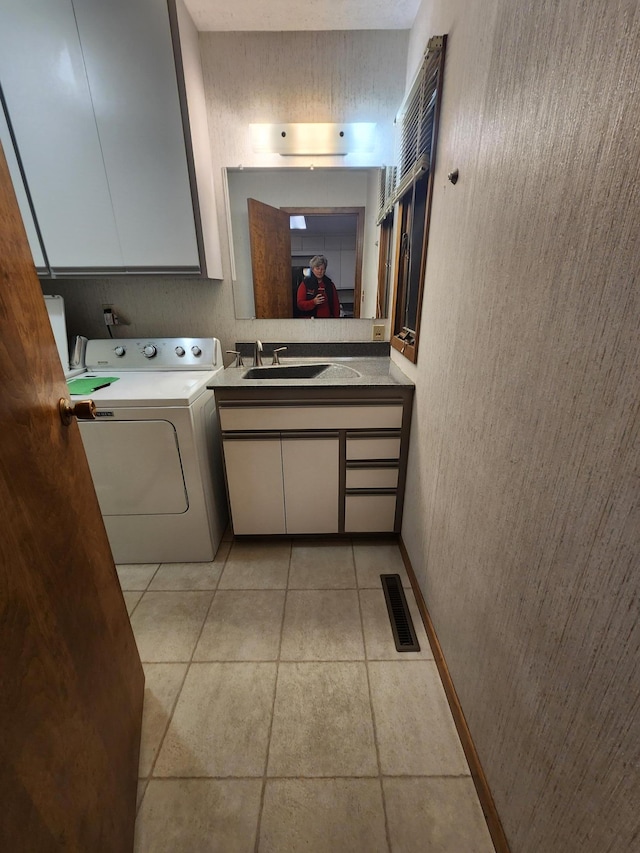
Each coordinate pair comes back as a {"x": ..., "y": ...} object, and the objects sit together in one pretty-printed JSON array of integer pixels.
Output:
[
  {"x": 522, "y": 516},
  {"x": 258, "y": 77}
]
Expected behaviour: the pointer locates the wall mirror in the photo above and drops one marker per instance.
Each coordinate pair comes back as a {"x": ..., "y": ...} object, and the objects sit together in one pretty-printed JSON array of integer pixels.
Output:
[{"x": 271, "y": 250}]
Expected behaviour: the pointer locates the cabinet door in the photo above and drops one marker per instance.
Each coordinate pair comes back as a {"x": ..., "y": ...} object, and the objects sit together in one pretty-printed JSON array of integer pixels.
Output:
[
  {"x": 254, "y": 484},
  {"x": 311, "y": 469},
  {"x": 130, "y": 64},
  {"x": 21, "y": 194},
  {"x": 49, "y": 107}
]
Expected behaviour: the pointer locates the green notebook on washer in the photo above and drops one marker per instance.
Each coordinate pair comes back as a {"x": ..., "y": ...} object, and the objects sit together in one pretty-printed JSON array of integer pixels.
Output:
[{"x": 89, "y": 385}]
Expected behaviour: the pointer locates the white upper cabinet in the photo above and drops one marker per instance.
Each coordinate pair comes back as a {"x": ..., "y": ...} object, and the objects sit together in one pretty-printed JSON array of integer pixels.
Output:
[
  {"x": 49, "y": 106},
  {"x": 21, "y": 194},
  {"x": 92, "y": 96}
]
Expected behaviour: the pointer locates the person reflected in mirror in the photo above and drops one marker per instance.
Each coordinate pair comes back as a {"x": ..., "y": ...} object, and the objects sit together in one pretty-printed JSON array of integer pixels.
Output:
[{"x": 317, "y": 295}]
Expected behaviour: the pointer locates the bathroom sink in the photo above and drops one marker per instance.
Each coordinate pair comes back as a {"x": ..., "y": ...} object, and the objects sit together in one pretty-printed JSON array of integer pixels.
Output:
[{"x": 286, "y": 371}]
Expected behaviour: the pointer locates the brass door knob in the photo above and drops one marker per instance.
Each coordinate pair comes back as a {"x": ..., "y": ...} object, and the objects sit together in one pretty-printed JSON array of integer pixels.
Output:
[{"x": 84, "y": 410}]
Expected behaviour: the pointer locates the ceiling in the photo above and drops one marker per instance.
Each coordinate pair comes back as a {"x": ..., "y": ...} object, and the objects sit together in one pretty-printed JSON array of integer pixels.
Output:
[{"x": 292, "y": 15}]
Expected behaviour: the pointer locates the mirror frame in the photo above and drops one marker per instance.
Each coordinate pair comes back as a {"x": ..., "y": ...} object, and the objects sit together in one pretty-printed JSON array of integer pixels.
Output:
[{"x": 367, "y": 196}]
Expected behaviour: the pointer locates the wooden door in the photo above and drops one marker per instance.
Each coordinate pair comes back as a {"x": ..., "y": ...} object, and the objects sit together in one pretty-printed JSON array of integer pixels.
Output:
[
  {"x": 270, "y": 238},
  {"x": 71, "y": 683}
]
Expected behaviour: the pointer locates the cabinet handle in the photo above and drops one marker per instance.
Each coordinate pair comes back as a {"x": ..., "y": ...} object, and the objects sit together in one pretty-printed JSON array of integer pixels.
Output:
[
  {"x": 333, "y": 434},
  {"x": 250, "y": 436}
]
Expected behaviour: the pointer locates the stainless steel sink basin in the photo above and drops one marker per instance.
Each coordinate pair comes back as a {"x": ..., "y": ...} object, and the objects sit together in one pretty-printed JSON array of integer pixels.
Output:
[{"x": 286, "y": 371}]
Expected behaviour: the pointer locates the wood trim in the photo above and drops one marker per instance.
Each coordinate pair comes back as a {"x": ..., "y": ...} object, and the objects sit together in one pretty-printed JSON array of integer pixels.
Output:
[
  {"x": 494, "y": 824},
  {"x": 385, "y": 266},
  {"x": 409, "y": 351}
]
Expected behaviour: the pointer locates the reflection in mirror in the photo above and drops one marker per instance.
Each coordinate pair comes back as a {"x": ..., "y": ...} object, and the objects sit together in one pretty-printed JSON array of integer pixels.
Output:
[
  {"x": 281, "y": 240},
  {"x": 339, "y": 206}
]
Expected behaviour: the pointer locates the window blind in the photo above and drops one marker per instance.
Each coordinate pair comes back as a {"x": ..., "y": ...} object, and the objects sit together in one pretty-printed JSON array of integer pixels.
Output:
[{"x": 415, "y": 125}]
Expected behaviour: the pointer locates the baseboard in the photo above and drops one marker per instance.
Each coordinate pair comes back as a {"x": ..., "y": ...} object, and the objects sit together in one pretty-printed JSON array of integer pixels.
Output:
[{"x": 485, "y": 797}]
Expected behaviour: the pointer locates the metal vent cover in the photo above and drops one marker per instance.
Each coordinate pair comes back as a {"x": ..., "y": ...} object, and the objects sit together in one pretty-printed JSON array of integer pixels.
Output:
[{"x": 404, "y": 633}]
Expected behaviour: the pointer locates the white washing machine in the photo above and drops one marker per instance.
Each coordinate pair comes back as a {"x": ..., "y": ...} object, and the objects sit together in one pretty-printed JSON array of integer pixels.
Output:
[
  {"x": 73, "y": 364},
  {"x": 154, "y": 449}
]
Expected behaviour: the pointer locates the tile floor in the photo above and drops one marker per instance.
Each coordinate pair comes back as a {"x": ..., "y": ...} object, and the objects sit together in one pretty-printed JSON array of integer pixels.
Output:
[{"x": 278, "y": 715}]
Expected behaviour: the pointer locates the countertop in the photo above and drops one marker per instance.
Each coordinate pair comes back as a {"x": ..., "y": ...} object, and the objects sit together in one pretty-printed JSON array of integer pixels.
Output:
[{"x": 344, "y": 372}]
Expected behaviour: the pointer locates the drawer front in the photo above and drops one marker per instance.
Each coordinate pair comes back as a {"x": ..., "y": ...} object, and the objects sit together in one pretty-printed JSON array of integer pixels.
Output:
[
  {"x": 309, "y": 417},
  {"x": 373, "y": 448},
  {"x": 369, "y": 513},
  {"x": 372, "y": 478}
]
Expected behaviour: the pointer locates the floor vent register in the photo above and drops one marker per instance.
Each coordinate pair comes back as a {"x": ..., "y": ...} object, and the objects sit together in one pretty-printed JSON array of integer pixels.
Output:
[{"x": 404, "y": 633}]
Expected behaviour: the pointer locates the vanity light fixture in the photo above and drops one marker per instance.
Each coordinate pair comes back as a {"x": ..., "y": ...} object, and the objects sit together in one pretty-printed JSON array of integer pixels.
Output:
[{"x": 313, "y": 138}]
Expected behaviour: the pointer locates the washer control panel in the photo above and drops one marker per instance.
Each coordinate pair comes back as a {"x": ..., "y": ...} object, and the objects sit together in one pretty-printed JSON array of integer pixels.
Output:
[{"x": 154, "y": 354}]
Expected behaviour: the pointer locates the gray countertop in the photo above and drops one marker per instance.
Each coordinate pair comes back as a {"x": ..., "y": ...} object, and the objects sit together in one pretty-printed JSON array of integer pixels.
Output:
[{"x": 343, "y": 373}]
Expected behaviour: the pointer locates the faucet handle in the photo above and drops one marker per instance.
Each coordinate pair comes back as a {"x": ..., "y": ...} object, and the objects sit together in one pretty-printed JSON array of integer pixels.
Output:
[
  {"x": 238, "y": 362},
  {"x": 276, "y": 357}
]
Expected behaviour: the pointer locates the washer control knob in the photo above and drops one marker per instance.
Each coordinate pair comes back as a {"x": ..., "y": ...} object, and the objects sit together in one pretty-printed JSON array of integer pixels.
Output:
[
  {"x": 179, "y": 351},
  {"x": 119, "y": 351},
  {"x": 196, "y": 350},
  {"x": 149, "y": 351}
]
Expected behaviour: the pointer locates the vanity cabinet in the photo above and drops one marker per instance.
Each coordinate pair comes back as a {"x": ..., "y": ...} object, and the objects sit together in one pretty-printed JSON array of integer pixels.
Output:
[
  {"x": 316, "y": 464},
  {"x": 97, "y": 111}
]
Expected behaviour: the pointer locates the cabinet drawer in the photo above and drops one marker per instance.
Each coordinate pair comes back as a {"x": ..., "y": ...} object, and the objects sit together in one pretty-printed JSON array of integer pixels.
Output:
[
  {"x": 373, "y": 448},
  {"x": 369, "y": 513},
  {"x": 309, "y": 417},
  {"x": 372, "y": 478}
]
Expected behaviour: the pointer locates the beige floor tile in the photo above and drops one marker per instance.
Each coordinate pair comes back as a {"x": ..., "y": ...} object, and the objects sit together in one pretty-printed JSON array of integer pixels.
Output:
[
  {"x": 167, "y": 625},
  {"x": 257, "y": 565},
  {"x": 438, "y": 815},
  {"x": 322, "y": 722},
  {"x": 161, "y": 688},
  {"x": 194, "y": 576},
  {"x": 223, "y": 549},
  {"x": 323, "y": 816},
  {"x": 131, "y": 598},
  {"x": 414, "y": 728},
  {"x": 136, "y": 576},
  {"x": 199, "y": 815},
  {"x": 322, "y": 624},
  {"x": 375, "y": 559},
  {"x": 220, "y": 726},
  {"x": 142, "y": 787},
  {"x": 378, "y": 634},
  {"x": 322, "y": 565},
  {"x": 242, "y": 625}
]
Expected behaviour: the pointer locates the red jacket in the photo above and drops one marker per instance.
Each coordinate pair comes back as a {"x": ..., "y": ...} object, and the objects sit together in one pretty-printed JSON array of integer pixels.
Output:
[{"x": 307, "y": 292}]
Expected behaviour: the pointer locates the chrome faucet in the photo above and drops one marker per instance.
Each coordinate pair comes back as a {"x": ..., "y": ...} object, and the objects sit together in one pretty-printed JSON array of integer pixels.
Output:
[
  {"x": 276, "y": 356},
  {"x": 238, "y": 361},
  {"x": 257, "y": 354}
]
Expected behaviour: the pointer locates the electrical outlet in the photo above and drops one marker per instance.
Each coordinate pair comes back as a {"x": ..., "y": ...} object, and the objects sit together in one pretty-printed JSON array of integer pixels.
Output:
[
  {"x": 110, "y": 316},
  {"x": 377, "y": 333}
]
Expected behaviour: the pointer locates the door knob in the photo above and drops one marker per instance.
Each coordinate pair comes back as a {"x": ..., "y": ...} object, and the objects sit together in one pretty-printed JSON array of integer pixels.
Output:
[{"x": 84, "y": 410}]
